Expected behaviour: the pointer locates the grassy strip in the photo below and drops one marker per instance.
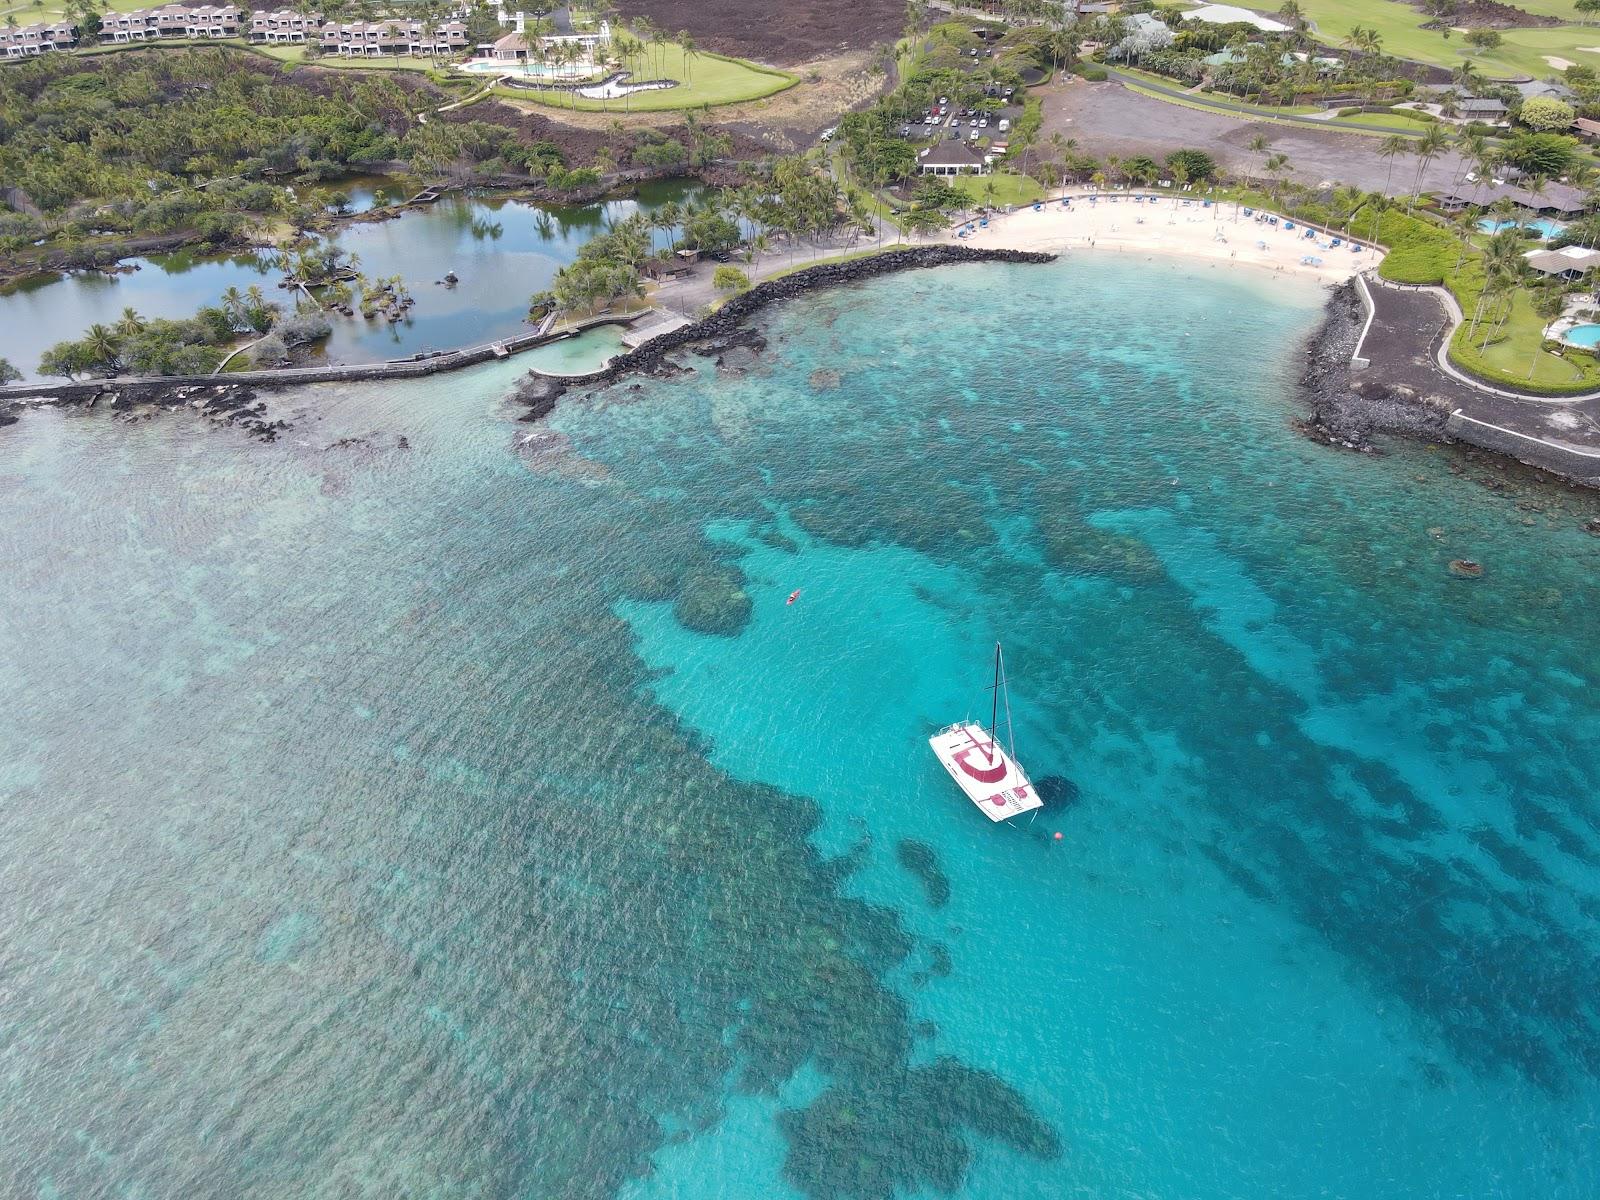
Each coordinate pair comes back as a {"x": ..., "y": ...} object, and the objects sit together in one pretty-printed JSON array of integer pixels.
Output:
[
  {"x": 1263, "y": 116},
  {"x": 1008, "y": 189}
]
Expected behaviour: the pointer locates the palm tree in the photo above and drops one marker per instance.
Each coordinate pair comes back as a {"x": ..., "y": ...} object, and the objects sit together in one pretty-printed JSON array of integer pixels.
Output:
[
  {"x": 129, "y": 323},
  {"x": 1547, "y": 304},
  {"x": 1466, "y": 78},
  {"x": 1379, "y": 204},
  {"x": 1391, "y": 148},
  {"x": 1431, "y": 145},
  {"x": 687, "y": 44},
  {"x": 103, "y": 344},
  {"x": 1277, "y": 165},
  {"x": 1345, "y": 202}
]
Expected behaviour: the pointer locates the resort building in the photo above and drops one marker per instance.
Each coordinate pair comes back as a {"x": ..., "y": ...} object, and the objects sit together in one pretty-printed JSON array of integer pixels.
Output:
[
  {"x": 1486, "y": 108},
  {"x": 1552, "y": 200},
  {"x": 372, "y": 39},
  {"x": 556, "y": 33},
  {"x": 171, "y": 21},
  {"x": 28, "y": 40},
  {"x": 1569, "y": 262},
  {"x": 950, "y": 158},
  {"x": 284, "y": 27}
]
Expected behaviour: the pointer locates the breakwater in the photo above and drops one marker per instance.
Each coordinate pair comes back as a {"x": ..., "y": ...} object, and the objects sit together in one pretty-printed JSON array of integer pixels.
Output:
[{"x": 540, "y": 394}]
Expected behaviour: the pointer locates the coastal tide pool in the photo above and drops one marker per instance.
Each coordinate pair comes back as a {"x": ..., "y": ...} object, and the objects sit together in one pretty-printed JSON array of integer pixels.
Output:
[{"x": 473, "y": 815}]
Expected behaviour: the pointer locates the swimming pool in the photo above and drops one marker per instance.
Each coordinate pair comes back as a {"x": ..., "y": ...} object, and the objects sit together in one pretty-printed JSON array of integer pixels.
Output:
[
  {"x": 1544, "y": 225},
  {"x": 528, "y": 70},
  {"x": 1587, "y": 336}
]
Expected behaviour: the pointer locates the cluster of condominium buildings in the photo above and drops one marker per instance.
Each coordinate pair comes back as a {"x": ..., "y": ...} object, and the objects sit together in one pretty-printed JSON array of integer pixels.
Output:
[
  {"x": 354, "y": 39},
  {"x": 170, "y": 21},
  {"x": 27, "y": 40}
]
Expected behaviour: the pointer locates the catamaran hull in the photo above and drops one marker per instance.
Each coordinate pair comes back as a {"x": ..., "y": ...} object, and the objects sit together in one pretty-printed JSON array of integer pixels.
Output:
[{"x": 984, "y": 771}]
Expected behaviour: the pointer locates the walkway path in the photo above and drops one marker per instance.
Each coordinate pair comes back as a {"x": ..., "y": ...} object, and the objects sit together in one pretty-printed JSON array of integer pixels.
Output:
[
  {"x": 688, "y": 295},
  {"x": 1561, "y": 434}
]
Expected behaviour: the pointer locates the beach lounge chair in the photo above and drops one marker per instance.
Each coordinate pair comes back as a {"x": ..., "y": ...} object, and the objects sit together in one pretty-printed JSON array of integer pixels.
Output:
[
  {"x": 1249, "y": 212},
  {"x": 1205, "y": 204},
  {"x": 1311, "y": 233},
  {"x": 1355, "y": 248},
  {"x": 1037, "y": 206},
  {"x": 1287, "y": 225},
  {"x": 1261, "y": 245},
  {"x": 1336, "y": 242}
]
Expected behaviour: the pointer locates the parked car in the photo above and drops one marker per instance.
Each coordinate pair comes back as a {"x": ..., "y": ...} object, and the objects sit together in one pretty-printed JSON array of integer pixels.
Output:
[
  {"x": 972, "y": 135},
  {"x": 1007, "y": 93},
  {"x": 905, "y": 131},
  {"x": 983, "y": 123},
  {"x": 827, "y": 134},
  {"x": 1005, "y": 124}
]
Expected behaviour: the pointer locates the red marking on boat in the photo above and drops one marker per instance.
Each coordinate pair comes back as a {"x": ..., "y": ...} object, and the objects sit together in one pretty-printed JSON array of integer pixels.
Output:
[{"x": 793, "y": 596}]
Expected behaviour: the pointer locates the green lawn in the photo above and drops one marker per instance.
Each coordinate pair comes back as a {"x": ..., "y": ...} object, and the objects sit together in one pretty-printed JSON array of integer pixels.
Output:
[
  {"x": 705, "y": 79},
  {"x": 297, "y": 54},
  {"x": 1388, "y": 122},
  {"x": 1008, "y": 189},
  {"x": 1523, "y": 51},
  {"x": 1422, "y": 251}
]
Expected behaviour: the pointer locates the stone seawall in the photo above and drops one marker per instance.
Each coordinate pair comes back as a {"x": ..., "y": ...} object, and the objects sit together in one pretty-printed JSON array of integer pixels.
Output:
[
  {"x": 1346, "y": 406},
  {"x": 151, "y": 388}
]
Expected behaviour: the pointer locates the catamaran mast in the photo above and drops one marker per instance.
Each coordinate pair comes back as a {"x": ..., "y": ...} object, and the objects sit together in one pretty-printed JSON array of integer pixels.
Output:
[{"x": 994, "y": 708}]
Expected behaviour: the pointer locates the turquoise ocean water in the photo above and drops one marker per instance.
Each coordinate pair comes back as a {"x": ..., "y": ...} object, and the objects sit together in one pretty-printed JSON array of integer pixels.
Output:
[{"x": 476, "y": 820}]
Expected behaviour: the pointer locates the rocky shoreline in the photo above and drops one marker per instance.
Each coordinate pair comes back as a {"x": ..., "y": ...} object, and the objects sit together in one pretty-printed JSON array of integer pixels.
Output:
[
  {"x": 725, "y": 329},
  {"x": 1346, "y": 410},
  {"x": 230, "y": 404}
]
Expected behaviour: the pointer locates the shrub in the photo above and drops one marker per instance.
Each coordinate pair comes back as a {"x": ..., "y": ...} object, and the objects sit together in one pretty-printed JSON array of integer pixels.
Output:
[
  {"x": 730, "y": 279},
  {"x": 1419, "y": 251},
  {"x": 1094, "y": 74},
  {"x": 1191, "y": 166},
  {"x": 269, "y": 351},
  {"x": 1546, "y": 112},
  {"x": 1544, "y": 154}
]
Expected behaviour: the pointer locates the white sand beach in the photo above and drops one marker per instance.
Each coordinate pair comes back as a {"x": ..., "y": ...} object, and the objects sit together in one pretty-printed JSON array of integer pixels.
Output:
[{"x": 1114, "y": 222}]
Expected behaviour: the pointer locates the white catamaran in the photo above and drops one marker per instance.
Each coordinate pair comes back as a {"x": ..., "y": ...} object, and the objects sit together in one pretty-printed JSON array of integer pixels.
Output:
[{"x": 981, "y": 767}]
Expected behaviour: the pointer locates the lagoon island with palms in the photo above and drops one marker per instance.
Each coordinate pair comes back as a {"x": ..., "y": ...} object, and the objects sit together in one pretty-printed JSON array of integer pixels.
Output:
[{"x": 498, "y": 501}]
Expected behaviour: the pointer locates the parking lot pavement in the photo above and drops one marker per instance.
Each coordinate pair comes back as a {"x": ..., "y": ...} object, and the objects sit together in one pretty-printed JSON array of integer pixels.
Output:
[{"x": 1106, "y": 118}]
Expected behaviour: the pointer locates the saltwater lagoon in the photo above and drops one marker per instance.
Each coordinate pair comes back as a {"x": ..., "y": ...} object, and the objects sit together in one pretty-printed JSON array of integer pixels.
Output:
[{"x": 502, "y": 250}]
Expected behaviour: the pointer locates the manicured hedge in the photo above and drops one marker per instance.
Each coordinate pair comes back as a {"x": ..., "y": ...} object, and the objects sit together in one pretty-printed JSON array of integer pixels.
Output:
[{"x": 1419, "y": 250}]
